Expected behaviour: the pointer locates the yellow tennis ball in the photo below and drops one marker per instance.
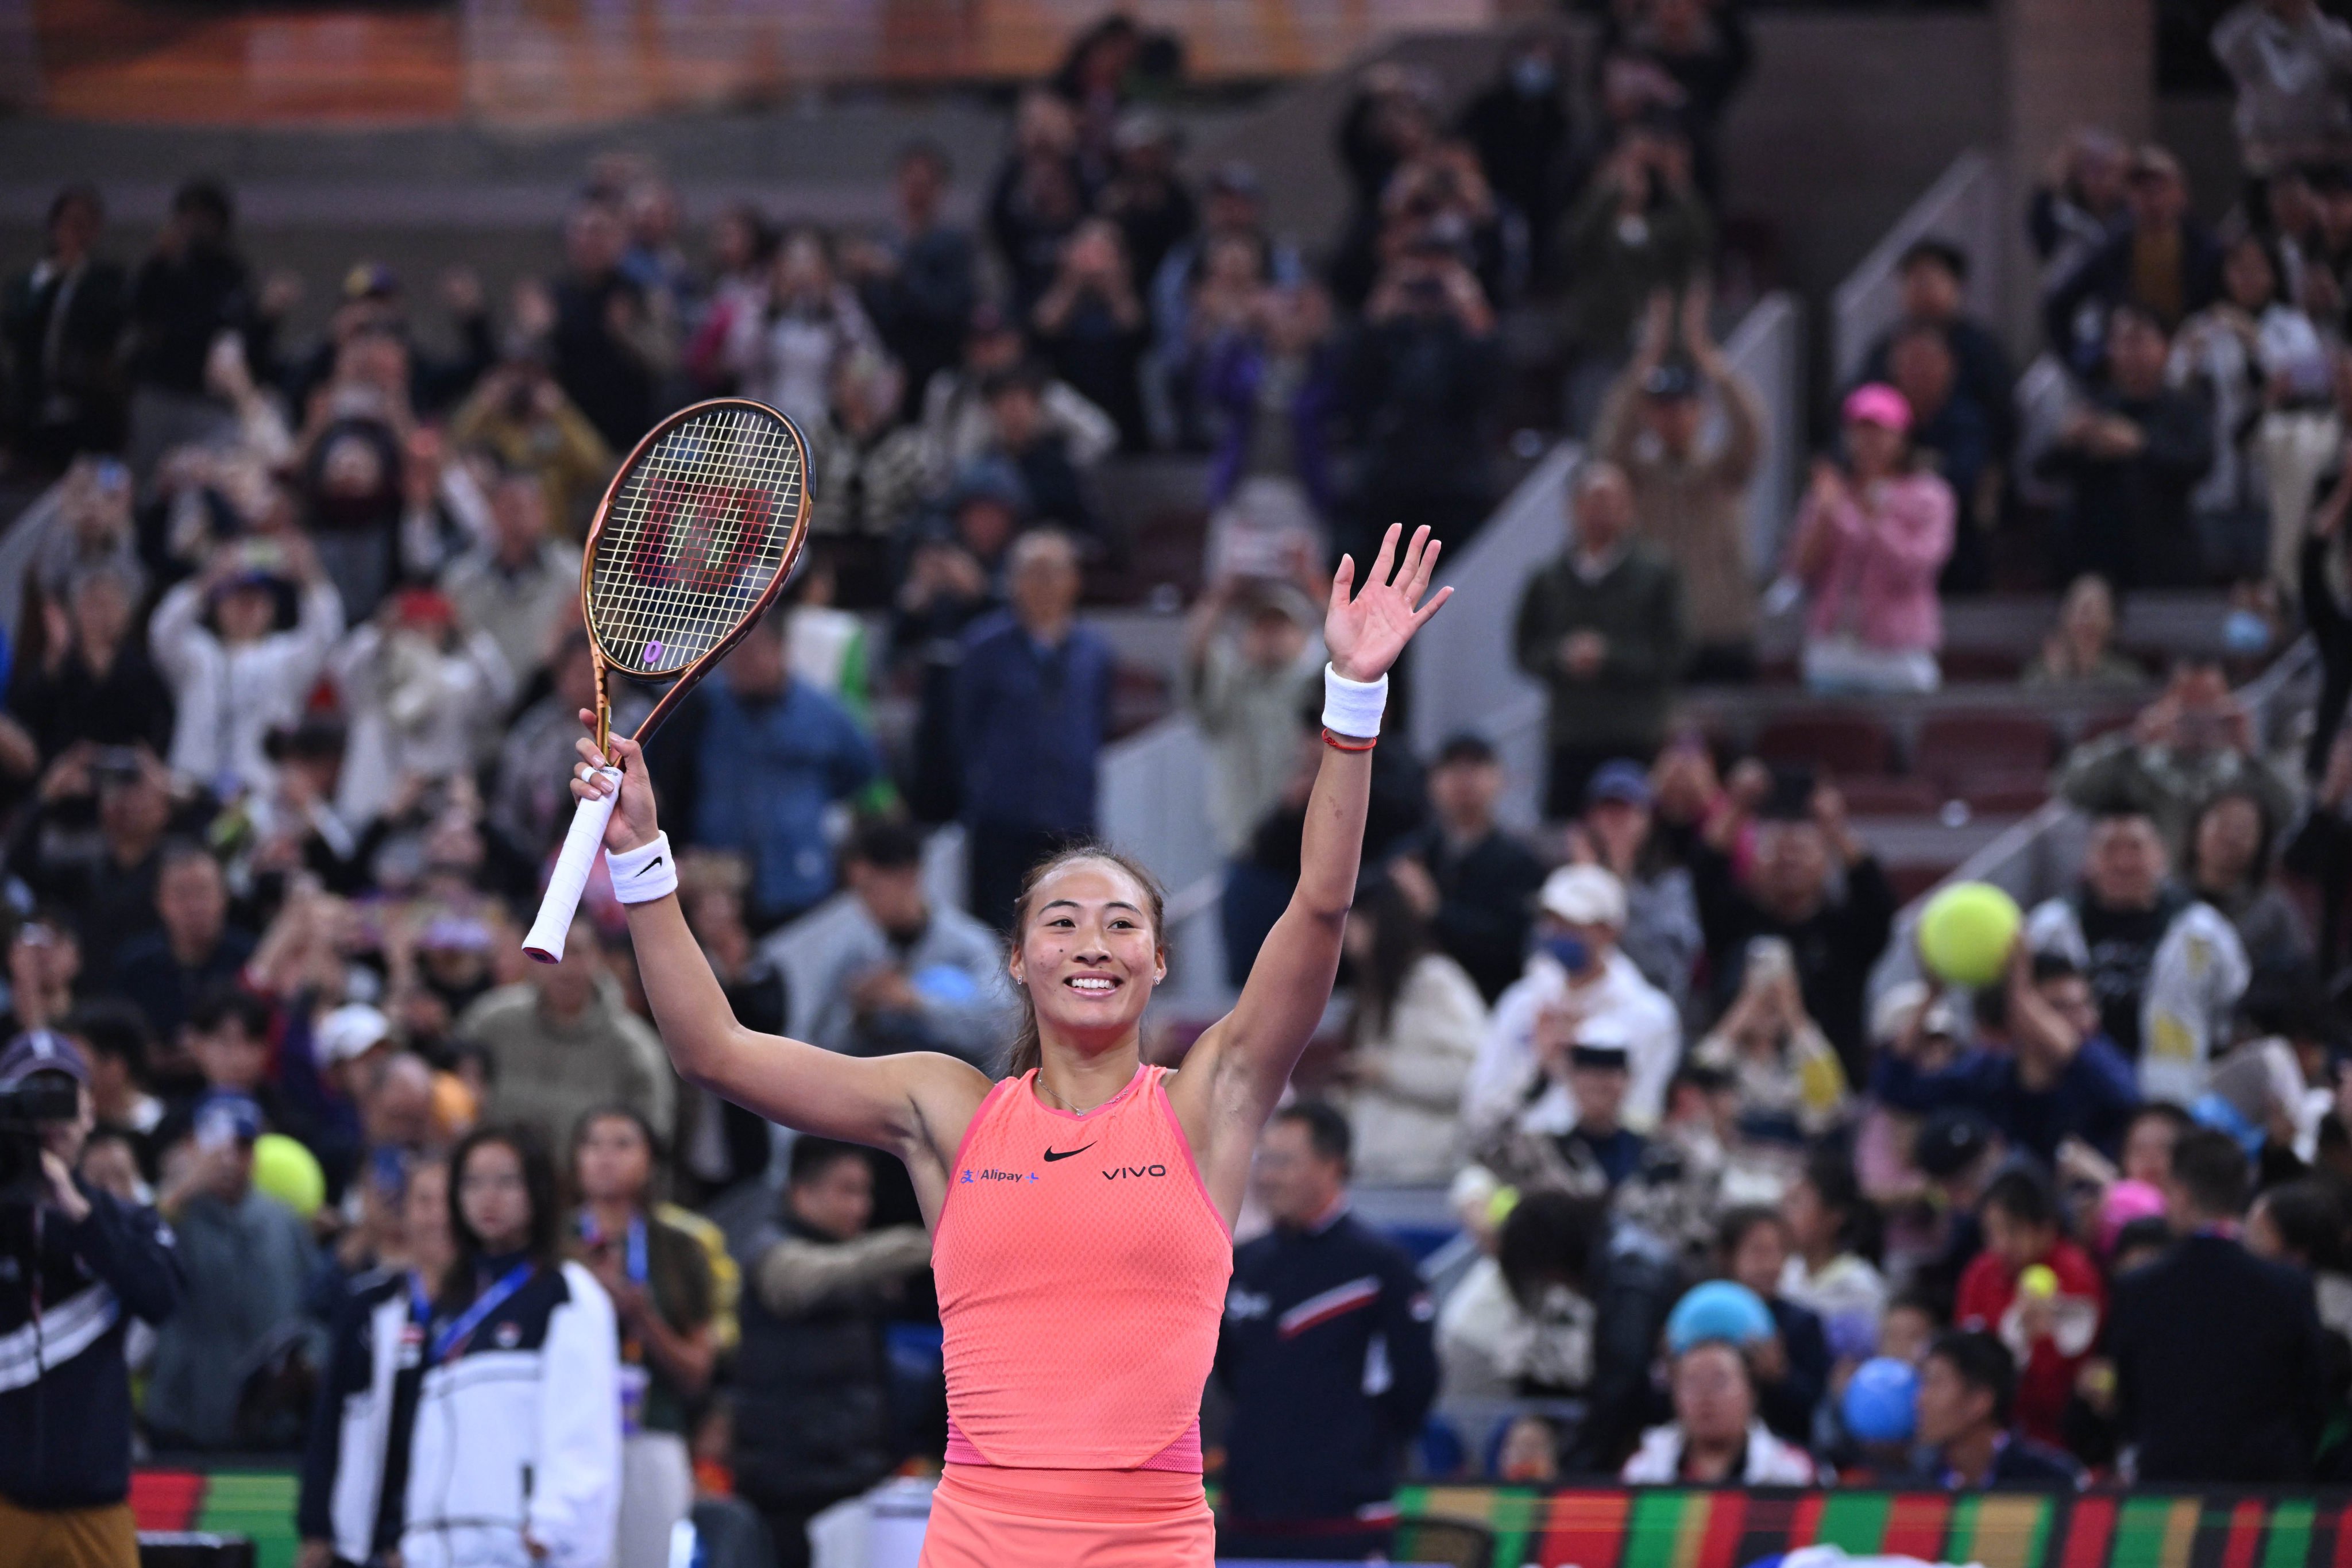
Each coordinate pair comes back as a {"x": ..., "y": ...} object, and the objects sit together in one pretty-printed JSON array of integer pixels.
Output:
[
  {"x": 285, "y": 1171},
  {"x": 2038, "y": 1279},
  {"x": 1966, "y": 932}
]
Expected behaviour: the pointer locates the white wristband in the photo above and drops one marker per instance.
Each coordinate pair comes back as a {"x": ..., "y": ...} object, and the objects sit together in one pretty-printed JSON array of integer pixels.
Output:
[
  {"x": 644, "y": 874},
  {"x": 1352, "y": 708}
]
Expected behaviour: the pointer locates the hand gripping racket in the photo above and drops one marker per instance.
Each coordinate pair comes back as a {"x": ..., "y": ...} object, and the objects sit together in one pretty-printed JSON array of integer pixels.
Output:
[{"x": 692, "y": 542}]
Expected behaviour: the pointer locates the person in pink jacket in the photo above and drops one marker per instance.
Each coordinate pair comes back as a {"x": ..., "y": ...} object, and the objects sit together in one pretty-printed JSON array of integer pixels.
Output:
[{"x": 1871, "y": 538}]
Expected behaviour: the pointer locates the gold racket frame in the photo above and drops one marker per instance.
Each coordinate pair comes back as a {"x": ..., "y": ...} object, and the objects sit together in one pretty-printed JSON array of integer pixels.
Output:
[{"x": 688, "y": 676}]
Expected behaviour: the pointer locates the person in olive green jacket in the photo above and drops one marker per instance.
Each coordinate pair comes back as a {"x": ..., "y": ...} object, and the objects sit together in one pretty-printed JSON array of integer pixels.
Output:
[{"x": 1602, "y": 628}]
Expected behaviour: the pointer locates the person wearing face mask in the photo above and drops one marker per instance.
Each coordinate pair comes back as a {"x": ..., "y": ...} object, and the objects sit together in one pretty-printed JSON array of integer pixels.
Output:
[
  {"x": 2167, "y": 969},
  {"x": 1577, "y": 983}
]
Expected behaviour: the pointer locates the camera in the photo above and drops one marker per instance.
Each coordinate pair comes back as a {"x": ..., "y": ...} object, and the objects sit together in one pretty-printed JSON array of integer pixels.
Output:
[{"x": 25, "y": 1110}]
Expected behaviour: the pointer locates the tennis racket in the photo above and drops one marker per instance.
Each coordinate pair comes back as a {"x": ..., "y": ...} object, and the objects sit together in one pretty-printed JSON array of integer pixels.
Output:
[{"x": 693, "y": 541}]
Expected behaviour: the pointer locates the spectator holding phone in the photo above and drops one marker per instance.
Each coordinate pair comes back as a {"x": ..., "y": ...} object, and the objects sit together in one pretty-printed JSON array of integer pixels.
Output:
[{"x": 1787, "y": 886}]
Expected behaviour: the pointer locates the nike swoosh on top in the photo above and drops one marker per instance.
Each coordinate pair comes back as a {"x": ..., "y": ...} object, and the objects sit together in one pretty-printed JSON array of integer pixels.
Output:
[{"x": 1053, "y": 1154}]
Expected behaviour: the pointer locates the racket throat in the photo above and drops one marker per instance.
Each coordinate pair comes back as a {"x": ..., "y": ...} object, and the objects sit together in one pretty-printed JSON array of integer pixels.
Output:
[{"x": 604, "y": 710}]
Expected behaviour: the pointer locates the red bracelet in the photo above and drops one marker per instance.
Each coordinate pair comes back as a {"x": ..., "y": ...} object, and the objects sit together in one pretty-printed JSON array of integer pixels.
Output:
[{"x": 1341, "y": 743}]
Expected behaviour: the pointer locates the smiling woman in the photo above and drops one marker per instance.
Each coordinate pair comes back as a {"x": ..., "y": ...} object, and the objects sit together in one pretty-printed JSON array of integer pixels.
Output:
[{"x": 1081, "y": 1208}]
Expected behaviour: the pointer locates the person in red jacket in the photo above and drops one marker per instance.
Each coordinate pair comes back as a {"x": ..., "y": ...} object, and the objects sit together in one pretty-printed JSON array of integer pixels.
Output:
[{"x": 2038, "y": 1293}]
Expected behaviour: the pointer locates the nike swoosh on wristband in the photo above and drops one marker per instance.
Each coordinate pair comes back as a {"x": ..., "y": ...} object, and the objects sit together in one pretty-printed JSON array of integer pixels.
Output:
[
  {"x": 1053, "y": 1154},
  {"x": 647, "y": 869}
]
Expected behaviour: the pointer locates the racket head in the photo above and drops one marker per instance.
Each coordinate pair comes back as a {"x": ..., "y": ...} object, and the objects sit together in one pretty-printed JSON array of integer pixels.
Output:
[{"x": 697, "y": 536}]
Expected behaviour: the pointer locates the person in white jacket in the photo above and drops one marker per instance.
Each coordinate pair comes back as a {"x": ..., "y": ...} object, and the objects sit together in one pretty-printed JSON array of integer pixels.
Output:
[
  {"x": 1716, "y": 1435},
  {"x": 514, "y": 1453},
  {"x": 235, "y": 676},
  {"x": 1417, "y": 1026},
  {"x": 1576, "y": 969},
  {"x": 2166, "y": 968},
  {"x": 427, "y": 696}
]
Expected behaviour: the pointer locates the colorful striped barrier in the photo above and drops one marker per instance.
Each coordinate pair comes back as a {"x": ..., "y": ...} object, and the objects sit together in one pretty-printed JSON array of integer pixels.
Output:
[
  {"x": 1645, "y": 1529},
  {"x": 1725, "y": 1529},
  {"x": 257, "y": 1504}
]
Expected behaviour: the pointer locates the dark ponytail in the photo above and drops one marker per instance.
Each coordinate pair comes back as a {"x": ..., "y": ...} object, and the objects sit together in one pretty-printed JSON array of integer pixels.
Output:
[{"x": 1027, "y": 1048}]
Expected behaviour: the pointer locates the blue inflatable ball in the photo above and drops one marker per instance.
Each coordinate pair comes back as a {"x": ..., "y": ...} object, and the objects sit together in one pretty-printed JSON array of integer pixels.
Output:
[
  {"x": 1882, "y": 1401},
  {"x": 1718, "y": 1309}
]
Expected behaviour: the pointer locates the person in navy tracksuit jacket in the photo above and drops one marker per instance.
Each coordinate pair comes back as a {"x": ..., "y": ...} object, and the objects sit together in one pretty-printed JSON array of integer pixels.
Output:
[
  {"x": 1329, "y": 1352},
  {"x": 75, "y": 1266}
]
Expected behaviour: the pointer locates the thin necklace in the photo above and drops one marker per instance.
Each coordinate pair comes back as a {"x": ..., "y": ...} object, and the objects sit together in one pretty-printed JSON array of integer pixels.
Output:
[{"x": 1047, "y": 1089}]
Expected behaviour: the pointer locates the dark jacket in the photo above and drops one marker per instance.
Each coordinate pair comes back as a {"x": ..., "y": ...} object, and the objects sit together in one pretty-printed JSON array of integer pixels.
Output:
[
  {"x": 1487, "y": 896},
  {"x": 2093, "y": 1099},
  {"x": 2321, "y": 851},
  {"x": 64, "y": 382},
  {"x": 1981, "y": 378},
  {"x": 2018, "y": 1464},
  {"x": 1030, "y": 725},
  {"x": 2331, "y": 634},
  {"x": 1328, "y": 1349},
  {"x": 148, "y": 977},
  {"x": 125, "y": 704},
  {"x": 65, "y": 1388},
  {"x": 2103, "y": 280},
  {"x": 1787, "y": 1406},
  {"x": 2217, "y": 1366},
  {"x": 2130, "y": 517},
  {"x": 1834, "y": 947},
  {"x": 811, "y": 1383},
  {"x": 1420, "y": 387},
  {"x": 355, "y": 1454},
  {"x": 179, "y": 304},
  {"x": 1633, "y": 1286},
  {"x": 1637, "y": 605}
]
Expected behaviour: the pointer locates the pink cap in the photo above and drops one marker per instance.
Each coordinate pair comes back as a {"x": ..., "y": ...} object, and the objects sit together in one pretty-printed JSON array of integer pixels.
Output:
[
  {"x": 2125, "y": 1202},
  {"x": 1876, "y": 403}
]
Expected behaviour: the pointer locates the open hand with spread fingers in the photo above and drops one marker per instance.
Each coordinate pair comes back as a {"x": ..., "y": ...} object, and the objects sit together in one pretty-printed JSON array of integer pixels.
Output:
[{"x": 1365, "y": 629}]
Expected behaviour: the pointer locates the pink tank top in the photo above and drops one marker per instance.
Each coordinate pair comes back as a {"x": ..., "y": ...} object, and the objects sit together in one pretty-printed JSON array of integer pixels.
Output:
[{"x": 1081, "y": 1271}]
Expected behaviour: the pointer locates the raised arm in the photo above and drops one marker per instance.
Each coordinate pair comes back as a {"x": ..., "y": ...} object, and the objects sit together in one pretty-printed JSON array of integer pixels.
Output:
[
  {"x": 914, "y": 1106},
  {"x": 1236, "y": 1071}
]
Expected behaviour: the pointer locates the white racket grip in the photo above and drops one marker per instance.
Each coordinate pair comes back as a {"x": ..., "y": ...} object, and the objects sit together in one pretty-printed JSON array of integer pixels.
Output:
[{"x": 581, "y": 847}]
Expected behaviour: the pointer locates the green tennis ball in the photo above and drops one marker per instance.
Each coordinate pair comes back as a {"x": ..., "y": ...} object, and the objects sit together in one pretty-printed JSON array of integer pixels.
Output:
[
  {"x": 1966, "y": 932},
  {"x": 285, "y": 1171}
]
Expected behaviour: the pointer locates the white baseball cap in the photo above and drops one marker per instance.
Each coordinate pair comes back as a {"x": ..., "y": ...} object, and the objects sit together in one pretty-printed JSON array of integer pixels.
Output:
[
  {"x": 350, "y": 1032},
  {"x": 1584, "y": 895}
]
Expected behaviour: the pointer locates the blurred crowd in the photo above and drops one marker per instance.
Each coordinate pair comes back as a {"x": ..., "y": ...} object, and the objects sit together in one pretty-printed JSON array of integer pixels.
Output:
[{"x": 294, "y": 664}]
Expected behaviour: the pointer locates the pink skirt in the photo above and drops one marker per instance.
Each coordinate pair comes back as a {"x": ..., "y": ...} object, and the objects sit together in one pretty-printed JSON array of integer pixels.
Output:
[{"x": 987, "y": 1517}]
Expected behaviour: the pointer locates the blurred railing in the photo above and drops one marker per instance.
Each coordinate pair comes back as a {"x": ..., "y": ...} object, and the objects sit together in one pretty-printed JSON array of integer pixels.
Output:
[
  {"x": 1767, "y": 347},
  {"x": 1964, "y": 206}
]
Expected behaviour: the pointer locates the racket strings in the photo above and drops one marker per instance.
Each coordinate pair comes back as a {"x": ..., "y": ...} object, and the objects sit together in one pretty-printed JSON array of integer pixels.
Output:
[{"x": 695, "y": 537}]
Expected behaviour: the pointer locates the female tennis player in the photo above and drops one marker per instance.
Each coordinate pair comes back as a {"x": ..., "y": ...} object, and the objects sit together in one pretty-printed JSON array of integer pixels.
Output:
[{"x": 1081, "y": 1210}]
